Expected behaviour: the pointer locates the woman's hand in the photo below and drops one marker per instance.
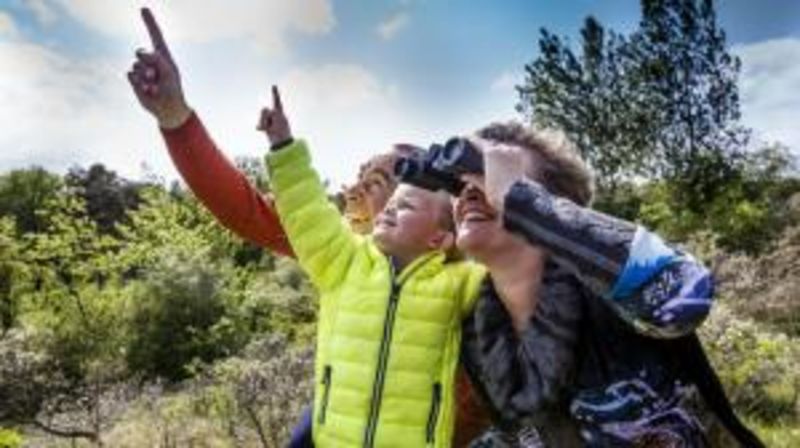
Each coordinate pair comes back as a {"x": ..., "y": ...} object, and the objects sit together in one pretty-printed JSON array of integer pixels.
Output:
[
  {"x": 155, "y": 79},
  {"x": 503, "y": 166}
]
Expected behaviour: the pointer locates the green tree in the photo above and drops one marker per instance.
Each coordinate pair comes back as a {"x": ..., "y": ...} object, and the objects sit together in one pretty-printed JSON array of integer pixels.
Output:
[
  {"x": 661, "y": 102},
  {"x": 23, "y": 192},
  {"x": 69, "y": 323},
  {"x": 108, "y": 197},
  {"x": 13, "y": 271},
  {"x": 75, "y": 282},
  {"x": 692, "y": 79},
  {"x": 591, "y": 97}
]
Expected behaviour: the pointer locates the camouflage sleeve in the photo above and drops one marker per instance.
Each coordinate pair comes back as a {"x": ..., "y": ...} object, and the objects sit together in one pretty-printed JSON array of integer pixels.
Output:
[{"x": 658, "y": 289}]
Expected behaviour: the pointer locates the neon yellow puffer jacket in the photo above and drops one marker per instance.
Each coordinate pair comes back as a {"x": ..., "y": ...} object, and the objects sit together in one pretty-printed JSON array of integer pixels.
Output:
[{"x": 387, "y": 344}]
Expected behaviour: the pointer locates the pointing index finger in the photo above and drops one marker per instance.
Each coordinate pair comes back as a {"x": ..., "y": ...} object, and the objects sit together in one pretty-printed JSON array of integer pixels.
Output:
[
  {"x": 277, "y": 105},
  {"x": 154, "y": 31}
]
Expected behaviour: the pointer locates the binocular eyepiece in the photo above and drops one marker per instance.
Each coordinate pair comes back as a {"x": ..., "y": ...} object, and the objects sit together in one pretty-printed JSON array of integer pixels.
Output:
[{"x": 441, "y": 166}]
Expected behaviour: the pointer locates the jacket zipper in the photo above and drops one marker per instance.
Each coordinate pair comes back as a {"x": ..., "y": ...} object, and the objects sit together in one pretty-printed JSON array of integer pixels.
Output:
[
  {"x": 434, "y": 416},
  {"x": 326, "y": 381},
  {"x": 383, "y": 358}
]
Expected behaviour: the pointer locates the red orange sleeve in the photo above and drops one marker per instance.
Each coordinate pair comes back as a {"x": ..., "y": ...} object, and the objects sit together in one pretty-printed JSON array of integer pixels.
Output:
[{"x": 222, "y": 188}]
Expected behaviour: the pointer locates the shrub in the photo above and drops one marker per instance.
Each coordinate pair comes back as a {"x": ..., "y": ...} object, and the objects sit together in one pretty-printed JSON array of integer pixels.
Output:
[
  {"x": 759, "y": 369},
  {"x": 10, "y": 438},
  {"x": 172, "y": 314}
]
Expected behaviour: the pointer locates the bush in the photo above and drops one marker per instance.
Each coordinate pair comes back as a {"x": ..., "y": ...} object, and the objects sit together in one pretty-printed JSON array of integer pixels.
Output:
[
  {"x": 270, "y": 384},
  {"x": 250, "y": 400},
  {"x": 10, "y": 438},
  {"x": 765, "y": 288},
  {"x": 759, "y": 369},
  {"x": 28, "y": 377},
  {"x": 172, "y": 314}
]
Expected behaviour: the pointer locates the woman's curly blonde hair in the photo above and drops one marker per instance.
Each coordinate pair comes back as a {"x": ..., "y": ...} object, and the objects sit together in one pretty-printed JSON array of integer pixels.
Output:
[{"x": 560, "y": 170}]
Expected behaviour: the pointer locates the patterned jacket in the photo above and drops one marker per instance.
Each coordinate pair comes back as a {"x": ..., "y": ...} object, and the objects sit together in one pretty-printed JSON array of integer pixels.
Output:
[{"x": 596, "y": 359}]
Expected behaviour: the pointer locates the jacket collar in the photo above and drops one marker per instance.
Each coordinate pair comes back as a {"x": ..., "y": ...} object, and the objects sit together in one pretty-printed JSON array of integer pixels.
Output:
[{"x": 423, "y": 266}]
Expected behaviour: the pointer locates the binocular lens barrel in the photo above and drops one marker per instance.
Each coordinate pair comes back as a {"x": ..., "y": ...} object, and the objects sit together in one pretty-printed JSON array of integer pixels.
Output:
[
  {"x": 441, "y": 166},
  {"x": 405, "y": 168},
  {"x": 459, "y": 157}
]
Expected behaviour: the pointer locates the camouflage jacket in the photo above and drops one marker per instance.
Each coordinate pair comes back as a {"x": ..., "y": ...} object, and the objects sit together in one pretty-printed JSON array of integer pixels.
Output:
[{"x": 595, "y": 365}]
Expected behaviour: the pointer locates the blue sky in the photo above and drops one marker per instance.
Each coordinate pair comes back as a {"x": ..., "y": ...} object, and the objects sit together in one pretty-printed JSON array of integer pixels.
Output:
[{"x": 355, "y": 75}]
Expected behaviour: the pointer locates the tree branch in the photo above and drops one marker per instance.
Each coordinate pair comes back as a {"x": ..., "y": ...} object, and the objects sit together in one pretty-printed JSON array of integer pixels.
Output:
[{"x": 70, "y": 433}]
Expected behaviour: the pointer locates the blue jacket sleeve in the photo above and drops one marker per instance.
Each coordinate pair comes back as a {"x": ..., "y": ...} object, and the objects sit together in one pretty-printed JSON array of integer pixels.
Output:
[{"x": 658, "y": 289}]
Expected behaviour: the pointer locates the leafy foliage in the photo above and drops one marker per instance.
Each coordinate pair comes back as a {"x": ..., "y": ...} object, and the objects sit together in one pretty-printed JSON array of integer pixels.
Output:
[
  {"x": 22, "y": 192},
  {"x": 129, "y": 318},
  {"x": 94, "y": 301},
  {"x": 662, "y": 102},
  {"x": 108, "y": 197}
]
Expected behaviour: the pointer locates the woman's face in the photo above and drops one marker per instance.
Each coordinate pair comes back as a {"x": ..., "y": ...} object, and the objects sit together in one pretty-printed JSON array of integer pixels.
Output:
[
  {"x": 365, "y": 200},
  {"x": 377, "y": 188},
  {"x": 480, "y": 231},
  {"x": 479, "y": 226}
]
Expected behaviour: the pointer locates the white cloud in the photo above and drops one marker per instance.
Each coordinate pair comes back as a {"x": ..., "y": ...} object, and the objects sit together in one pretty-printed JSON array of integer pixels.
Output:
[
  {"x": 64, "y": 112},
  {"x": 43, "y": 11},
  {"x": 336, "y": 86},
  {"x": 346, "y": 113},
  {"x": 61, "y": 112},
  {"x": 262, "y": 23},
  {"x": 7, "y": 26},
  {"x": 391, "y": 26},
  {"x": 770, "y": 89}
]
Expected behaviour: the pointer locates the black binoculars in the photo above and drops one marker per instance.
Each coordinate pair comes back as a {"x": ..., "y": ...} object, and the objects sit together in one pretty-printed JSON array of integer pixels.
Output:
[{"x": 441, "y": 166}]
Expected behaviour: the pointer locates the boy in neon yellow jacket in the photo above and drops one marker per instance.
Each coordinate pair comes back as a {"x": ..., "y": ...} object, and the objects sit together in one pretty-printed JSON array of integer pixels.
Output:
[{"x": 391, "y": 305}]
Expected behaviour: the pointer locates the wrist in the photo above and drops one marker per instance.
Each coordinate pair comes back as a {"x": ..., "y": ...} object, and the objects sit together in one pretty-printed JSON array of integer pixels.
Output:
[
  {"x": 279, "y": 144},
  {"x": 174, "y": 118}
]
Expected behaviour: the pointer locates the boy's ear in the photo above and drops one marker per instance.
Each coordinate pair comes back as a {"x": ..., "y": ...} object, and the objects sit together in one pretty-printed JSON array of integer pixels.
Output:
[{"x": 443, "y": 240}]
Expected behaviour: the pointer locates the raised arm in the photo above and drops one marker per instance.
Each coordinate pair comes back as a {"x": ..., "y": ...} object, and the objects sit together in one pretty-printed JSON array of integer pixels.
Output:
[
  {"x": 216, "y": 182},
  {"x": 658, "y": 289},
  {"x": 324, "y": 243},
  {"x": 223, "y": 189}
]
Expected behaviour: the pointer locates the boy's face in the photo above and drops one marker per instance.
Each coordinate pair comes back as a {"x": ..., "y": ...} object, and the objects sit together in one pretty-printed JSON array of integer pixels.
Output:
[{"x": 412, "y": 223}]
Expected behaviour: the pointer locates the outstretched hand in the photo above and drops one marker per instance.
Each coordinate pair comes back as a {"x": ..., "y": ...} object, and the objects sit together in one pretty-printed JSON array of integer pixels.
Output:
[
  {"x": 274, "y": 123},
  {"x": 156, "y": 81}
]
